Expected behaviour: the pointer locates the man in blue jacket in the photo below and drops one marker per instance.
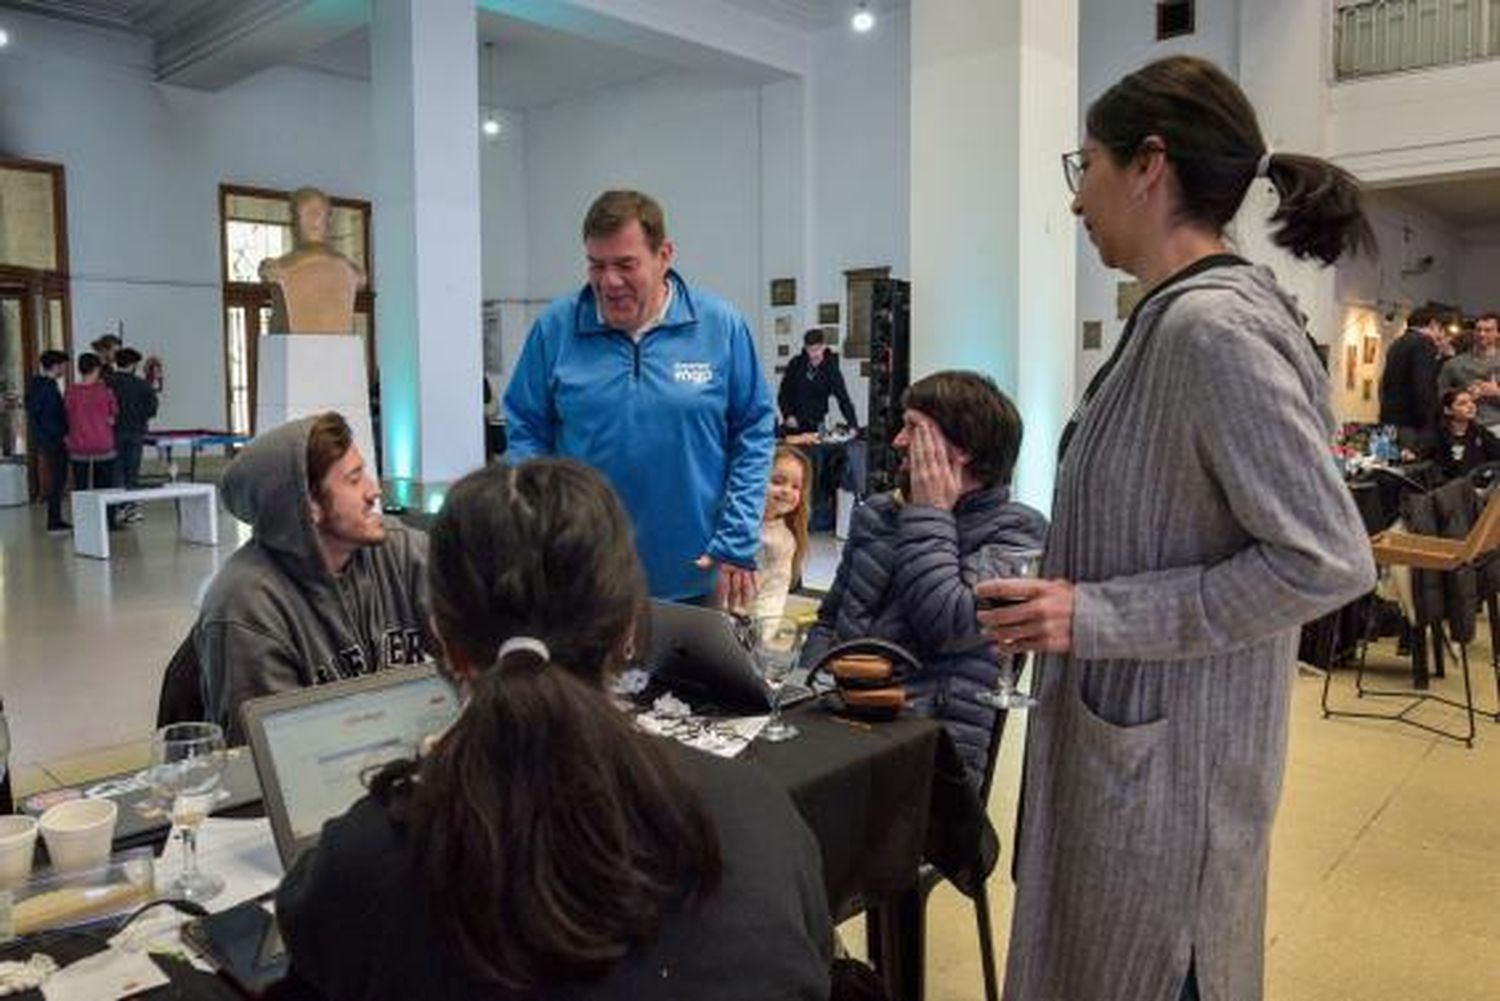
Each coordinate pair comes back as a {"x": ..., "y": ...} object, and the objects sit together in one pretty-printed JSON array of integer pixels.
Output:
[
  {"x": 49, "y": 428},
  {"x": 658, "y": 386}
]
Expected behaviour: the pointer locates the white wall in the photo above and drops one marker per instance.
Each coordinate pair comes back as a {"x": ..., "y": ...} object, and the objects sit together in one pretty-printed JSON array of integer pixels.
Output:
[
  {"x": 860, "y": 126},
  {"x": 691, "y": 142},
  {"x": 1479, "y": 271},
  {"x": 1115, "y": 39},
  {"x": 143, "y": 165}
]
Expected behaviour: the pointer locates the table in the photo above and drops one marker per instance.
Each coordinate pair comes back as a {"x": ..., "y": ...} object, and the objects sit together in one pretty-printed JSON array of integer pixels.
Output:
[
  {"x": 196, "y": 439},
  {"x": 858, "y": 787},
  {"x": 197, "y": 514}
]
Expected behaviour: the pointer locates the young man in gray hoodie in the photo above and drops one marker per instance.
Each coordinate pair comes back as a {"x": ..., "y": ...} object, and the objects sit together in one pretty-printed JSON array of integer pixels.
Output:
[{"x": 325, "y": 589}]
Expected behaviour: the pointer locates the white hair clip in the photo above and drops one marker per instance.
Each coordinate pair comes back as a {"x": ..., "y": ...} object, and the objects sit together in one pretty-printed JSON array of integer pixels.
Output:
[{"x": 531, "y": 643}]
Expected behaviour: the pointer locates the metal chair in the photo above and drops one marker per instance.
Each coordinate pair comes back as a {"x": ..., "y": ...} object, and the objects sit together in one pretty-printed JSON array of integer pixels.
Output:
[{"x": 1397, "y": 547}]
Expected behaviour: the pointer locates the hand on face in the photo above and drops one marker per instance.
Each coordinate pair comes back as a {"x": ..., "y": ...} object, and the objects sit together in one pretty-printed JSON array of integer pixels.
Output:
[{"x": 936, "y": 468}]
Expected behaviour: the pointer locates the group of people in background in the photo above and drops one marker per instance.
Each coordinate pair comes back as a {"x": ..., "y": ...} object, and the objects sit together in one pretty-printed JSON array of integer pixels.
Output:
[
  {"x": 1440, "y": 389},
  {"x": 96, "y": 427}
]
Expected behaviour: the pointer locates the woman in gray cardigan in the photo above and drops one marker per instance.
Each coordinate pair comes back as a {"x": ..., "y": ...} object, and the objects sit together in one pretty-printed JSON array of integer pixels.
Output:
[{"x": 1198, "y": 521}]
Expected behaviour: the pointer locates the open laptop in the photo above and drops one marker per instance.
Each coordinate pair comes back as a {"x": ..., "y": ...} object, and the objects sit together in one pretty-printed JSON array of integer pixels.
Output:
[
  {"x": 315, "y": 748},
  {"x": 703, "y": 655}
]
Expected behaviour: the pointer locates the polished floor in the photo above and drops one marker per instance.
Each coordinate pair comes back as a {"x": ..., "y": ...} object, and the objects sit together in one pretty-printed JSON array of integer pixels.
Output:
[{"x": 1385, "y": 875}]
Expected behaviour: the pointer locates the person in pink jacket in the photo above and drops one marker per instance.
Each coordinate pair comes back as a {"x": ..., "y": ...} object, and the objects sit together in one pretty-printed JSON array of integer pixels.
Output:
[{"x": 91, "y": 408}]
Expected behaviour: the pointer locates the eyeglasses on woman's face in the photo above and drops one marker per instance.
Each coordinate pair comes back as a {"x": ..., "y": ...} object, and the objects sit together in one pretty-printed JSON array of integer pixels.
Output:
[{"x": 1074, "y": 165}]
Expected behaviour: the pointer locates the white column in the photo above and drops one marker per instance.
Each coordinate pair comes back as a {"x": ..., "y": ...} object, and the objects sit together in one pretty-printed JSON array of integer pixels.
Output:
[
  {"x": 1284, "y": 63},
  {"x": 994, "y": 104},
  {"x": 427, "y": 246}
]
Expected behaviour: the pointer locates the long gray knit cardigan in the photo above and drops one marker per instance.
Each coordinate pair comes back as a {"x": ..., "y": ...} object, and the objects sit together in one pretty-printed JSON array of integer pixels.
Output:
[{"x": 1200, "y": 515}]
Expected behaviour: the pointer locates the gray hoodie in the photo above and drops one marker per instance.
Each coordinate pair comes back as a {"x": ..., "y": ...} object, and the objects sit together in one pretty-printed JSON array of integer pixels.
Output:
[{"x": 275, "y": 618}]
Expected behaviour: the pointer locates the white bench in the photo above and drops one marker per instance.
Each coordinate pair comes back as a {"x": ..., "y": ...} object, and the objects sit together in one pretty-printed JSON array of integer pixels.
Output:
[{"x": 197, "y": 514}]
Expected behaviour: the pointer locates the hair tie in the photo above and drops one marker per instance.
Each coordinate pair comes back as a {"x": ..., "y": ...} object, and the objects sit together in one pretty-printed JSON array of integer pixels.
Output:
[
  {"x": 1263, "y": 165},
  {"x": 531, "y": 643}
]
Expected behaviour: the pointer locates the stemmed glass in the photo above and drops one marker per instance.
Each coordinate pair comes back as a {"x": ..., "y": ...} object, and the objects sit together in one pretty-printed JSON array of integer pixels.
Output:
[
  {"x": 187, "y": 763},
  {"x": 776, "y": 645},
  {"x": 998, "y": 561}
]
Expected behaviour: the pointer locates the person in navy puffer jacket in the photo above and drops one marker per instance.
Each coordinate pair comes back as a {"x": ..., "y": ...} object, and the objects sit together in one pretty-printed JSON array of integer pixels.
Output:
[{"x": 914, "y": 555}]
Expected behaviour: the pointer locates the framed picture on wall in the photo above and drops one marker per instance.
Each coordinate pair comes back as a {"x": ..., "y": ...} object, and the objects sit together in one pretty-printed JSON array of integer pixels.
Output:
[
  {"x": 1372, "y": 349},
  {"x": 783, "y": 326},
  {"x": 828, "y": 314},
  {"x": 783, "y": 291},
  {"x": 1351, "y": 363}
]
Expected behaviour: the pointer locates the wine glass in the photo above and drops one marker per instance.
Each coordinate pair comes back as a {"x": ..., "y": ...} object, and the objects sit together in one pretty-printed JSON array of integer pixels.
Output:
[
  {"x": 776, "y": 645},
  {"x": 187, "y": 763},
  {"x": 1003, "y": 562}
]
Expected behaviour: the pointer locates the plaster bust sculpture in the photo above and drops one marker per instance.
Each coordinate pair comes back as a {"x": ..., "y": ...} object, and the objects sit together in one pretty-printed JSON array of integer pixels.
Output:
[{"x": 314, "y": 285}]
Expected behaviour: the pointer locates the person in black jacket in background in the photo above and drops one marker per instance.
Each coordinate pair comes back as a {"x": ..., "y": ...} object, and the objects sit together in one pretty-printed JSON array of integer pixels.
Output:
[
  {"x": 1409, "y": 382},
  {"x": 545, "y": 847},
  {"x": 809, "y": 380},
  {"x": 49, "y": 431},
  {"x": 137, "y": 401}
]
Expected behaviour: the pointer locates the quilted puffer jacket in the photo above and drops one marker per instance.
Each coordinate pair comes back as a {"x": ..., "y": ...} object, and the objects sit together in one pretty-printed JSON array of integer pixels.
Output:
[{"x": 907, "y": 575}]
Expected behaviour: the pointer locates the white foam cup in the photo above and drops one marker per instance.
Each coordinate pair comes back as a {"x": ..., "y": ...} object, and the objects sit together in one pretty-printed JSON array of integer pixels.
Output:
[
  {"x": 17, "y": 845},
  {"x": 79, "y": 833}
]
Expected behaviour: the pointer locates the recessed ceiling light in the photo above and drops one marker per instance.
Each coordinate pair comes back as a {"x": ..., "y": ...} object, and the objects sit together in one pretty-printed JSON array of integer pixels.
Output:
[
  {"x": 863, "y": 20},
  {"x": 4, "y": 38},
  {"x": 491, "y": 126}
]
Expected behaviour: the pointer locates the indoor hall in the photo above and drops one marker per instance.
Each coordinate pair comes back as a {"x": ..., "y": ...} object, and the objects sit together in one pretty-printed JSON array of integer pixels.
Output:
[{"x": 811, "y": 176}]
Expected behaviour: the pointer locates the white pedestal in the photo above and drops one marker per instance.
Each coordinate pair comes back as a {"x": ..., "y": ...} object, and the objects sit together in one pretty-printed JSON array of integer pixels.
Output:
[
  {"x": 13, "y": 491},
  {"x": 305, "y": 374}
]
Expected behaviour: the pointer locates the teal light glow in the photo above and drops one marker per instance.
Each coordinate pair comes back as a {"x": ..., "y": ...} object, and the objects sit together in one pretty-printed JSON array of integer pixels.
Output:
[{"x": 434, "y": 502}]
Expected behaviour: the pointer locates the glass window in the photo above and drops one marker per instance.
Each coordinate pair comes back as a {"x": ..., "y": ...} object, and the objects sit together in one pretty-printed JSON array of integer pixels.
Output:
[{"x": 28, "y": 227}]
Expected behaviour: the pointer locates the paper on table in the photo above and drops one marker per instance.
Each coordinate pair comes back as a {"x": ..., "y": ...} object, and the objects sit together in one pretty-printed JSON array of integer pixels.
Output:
[
  {"x": 719, "y": 735},
  {"x": 241, "y": 852},
  {"x": 104, "y": 976}
]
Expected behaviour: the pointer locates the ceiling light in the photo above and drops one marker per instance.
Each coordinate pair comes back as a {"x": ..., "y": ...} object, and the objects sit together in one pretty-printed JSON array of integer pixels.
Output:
[
  {"x": 862, "y": 20},
  {"x": 4, "y": 38},
  {"x": 490, "y": 124}
]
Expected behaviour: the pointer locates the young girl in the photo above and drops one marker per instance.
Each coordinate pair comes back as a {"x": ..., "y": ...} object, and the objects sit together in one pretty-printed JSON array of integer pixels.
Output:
[{"x": 783, "y": 531}]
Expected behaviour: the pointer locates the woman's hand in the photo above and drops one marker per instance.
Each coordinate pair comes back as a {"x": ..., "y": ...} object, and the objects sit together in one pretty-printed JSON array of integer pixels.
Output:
[
  {"x": 1040, "y": 619},
  {"x": 935, "y": 481}
]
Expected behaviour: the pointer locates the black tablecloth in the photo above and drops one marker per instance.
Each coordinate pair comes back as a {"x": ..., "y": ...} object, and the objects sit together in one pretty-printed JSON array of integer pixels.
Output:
[{"x": 881, "y": 798}]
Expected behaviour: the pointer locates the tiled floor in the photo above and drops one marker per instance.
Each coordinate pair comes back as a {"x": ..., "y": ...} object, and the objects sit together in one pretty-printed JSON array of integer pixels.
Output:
[{"x": 1385, "y": 875}]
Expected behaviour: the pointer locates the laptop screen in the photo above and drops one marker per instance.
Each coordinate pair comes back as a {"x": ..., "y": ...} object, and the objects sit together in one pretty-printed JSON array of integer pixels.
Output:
[{"x": 324, "y": 751}]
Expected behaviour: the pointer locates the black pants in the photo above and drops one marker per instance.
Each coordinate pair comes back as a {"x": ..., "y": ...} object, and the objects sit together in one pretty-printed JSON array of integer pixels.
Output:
[
  {"x": 1190, "y": 987},
  {"x": 130, "y": 447},
  {"x": 97, "y": 474},
  {"x": 53, "y": 457}
]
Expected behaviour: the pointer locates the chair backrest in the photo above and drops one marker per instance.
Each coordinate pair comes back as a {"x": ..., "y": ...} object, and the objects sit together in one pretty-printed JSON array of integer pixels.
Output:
[
  {"x": 181, "y": 698},
  {"x": 1484, "y": 537}
]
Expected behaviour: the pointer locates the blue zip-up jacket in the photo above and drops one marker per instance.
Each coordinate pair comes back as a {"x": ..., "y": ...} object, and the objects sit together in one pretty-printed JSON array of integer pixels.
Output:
[{"x": 681, "y": 424}]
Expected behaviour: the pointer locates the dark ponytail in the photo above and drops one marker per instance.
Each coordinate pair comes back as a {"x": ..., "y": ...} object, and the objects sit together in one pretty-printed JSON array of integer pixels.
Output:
[
  {"x": 1320, "y": 214},
  {"x": 1214, "y": 144},
  {"x": 550, "y": 836}
]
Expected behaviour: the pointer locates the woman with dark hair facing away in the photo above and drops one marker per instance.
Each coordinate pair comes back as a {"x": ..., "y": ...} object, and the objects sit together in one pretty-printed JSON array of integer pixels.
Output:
[
  {"x": 1197, "y": 523},
  {"x": 544, "y": 847}
]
